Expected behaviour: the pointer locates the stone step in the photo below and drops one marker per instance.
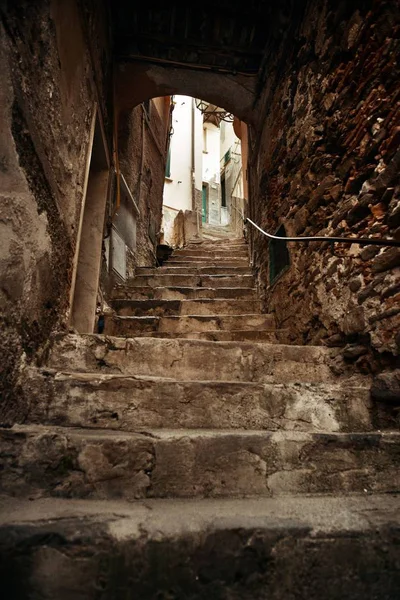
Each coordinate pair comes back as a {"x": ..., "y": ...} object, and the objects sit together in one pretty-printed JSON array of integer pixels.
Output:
[
  {"x": 192, "y": 359},
  {"x": 130, "y": 326},
  {"x": 199, "y": 255},
  {"x": 93, "y": 400},
  {"x": 222, "y": 253},
  {"x": 197, "y": 263},
  {"x": 279, "y": 548},
  {"x": 181, "y": 293},
  {"x": 206, "y": 247},
  {"x": 271, "y": 336},
  {"x": 193, "y": 270},
  {"x": 140, "y": 308},
  {"x": 205, "y": 281},
  {"x": 162, "y": 463}
]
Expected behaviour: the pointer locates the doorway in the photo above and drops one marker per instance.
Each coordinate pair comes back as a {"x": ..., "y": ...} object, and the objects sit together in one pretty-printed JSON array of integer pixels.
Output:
[{"x": 90, "y": 236}]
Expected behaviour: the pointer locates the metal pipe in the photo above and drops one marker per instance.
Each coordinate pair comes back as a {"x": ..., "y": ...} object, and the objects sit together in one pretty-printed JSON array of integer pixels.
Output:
[{"x": 342, "y": 240}]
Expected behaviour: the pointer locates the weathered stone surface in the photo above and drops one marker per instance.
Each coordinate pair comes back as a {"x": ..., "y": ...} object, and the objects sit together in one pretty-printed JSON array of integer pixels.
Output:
[
  {"x": 207, "y": 281},
  {"x": 192, "y": 359},
  {"x": 270, "y": 336},
  {"x": 181, "y": 293},
  {"x": 327, "y": 162},
  {"x": 47, "y": 101},
  {"x": 131, "y": 403},
  {"x": 201, "y": 549},
  {"x": 389, "y": 259},
  {"x": 233, "y": 335},
  {"x": 131, "y": 326},
  {"x": 354, "y": 321},
  {"x": 195, "y": 270},
  {"x": 354, "y": 352},
  {"x": 102, "y": 464},
  {"x": 386, "y": 387},
  {"x": 185, "y": 307},
  {"x": 369, "y": 252},
  {"x": 201, "y": 261}
]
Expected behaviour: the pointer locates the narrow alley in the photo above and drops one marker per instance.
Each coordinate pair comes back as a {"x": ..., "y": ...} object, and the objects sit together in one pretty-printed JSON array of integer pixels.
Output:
[{"x": 200, "y": 300}]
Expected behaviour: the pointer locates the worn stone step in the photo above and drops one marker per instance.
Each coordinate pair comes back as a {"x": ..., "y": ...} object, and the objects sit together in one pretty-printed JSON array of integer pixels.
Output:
[
  {"x": 210, "y": 255},
  {"x": 222, "y": 246},
  {"x": 305, "y": 547},
  {"x": 201, "y": 263},
  {"x": 271, "y": 336},
  {"x": 224, "y": 243},
  {"x": 215, "y": 245},
  {"x": 191, "y": 359},
  {"x": 194, "y": 270},
  {"x": 205, "y": 281},
  {"x": 129, "y": 326},
  {"x": 214, "y": 236},
  {"x": 162, "y": 463},
  {"x": 93, "y": 400},
  {"x": 181, "y": 293},
  {"x": 185, "y": 307}
]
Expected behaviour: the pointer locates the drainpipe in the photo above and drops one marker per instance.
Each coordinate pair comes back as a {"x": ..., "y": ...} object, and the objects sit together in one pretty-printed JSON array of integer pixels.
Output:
[{"x": 193, "y": 159}]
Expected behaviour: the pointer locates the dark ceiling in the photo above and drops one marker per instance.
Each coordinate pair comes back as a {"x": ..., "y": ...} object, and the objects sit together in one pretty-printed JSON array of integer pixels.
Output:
[{"x": 222, "y": 35}]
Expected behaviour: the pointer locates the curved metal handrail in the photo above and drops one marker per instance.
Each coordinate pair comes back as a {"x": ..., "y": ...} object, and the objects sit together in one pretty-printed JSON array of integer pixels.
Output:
[{"x": 342, "y": 240}]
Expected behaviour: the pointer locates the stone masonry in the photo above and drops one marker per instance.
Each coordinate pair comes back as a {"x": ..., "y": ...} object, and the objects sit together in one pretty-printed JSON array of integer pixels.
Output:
[{"x": 326, "y": 162}]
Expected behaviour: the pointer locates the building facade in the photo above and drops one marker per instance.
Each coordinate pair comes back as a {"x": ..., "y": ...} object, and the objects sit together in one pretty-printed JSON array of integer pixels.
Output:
[{"x": 204, "y": 168}]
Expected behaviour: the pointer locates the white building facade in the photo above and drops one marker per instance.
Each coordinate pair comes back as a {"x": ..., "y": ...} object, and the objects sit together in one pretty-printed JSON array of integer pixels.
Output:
[{"x": 200, "y": 153}]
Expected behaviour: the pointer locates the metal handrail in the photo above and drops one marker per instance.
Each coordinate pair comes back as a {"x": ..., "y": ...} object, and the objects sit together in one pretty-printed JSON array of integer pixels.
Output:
[{"x": 342, "y": 240}]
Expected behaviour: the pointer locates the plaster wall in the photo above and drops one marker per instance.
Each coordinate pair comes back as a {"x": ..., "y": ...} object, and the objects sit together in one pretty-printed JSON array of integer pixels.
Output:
[
  {"x": 50, "y": 85},
  {"x": 211, "y": 156},
  {"x": 178, "y": 187}
]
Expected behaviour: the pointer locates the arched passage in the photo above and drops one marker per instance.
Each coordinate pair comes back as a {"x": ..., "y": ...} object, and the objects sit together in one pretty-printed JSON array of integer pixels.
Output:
[{"x": 136, "y": 82}]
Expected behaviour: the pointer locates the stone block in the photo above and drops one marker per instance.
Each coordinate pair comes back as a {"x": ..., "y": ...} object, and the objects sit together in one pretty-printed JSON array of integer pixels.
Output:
[
  {"x": 386, "y": 387},
  {"x": 388, "y": 259}
]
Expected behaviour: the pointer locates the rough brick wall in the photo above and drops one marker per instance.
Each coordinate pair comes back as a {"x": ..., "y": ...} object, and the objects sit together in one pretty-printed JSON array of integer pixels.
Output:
[
  {"x": 327, "y": 162},
  {"x": 48, "y": 94}
]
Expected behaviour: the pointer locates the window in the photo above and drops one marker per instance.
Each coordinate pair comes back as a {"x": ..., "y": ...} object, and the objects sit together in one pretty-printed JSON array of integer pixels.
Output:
[
  {"x": 168, "y": 163},
  {"x": 279, "y": 259}
]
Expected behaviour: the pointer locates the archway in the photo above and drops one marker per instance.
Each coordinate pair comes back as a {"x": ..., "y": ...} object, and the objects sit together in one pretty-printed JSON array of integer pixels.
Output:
[{"x": 137, "y": 82}]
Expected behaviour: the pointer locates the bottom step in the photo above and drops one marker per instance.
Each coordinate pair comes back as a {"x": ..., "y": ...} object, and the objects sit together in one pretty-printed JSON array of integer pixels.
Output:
[{"x": 315, "y": 548}]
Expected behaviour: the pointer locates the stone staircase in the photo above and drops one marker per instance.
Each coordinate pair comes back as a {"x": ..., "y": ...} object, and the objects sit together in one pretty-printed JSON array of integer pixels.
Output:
[{"x": 187, "y": 454}]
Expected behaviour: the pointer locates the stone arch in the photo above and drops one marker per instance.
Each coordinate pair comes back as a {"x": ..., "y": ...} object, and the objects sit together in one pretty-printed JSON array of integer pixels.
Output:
[{"x": 136, "y": 82}]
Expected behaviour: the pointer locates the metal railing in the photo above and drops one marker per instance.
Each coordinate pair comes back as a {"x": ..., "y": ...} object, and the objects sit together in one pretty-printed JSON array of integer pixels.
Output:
[{"x": 331, "y": 240}]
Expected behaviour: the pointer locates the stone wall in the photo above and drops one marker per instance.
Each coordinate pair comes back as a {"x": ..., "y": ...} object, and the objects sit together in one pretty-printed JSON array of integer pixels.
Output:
[
  {"x": 327, "y": 163},
  {"x": 50, "y": 82}
]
